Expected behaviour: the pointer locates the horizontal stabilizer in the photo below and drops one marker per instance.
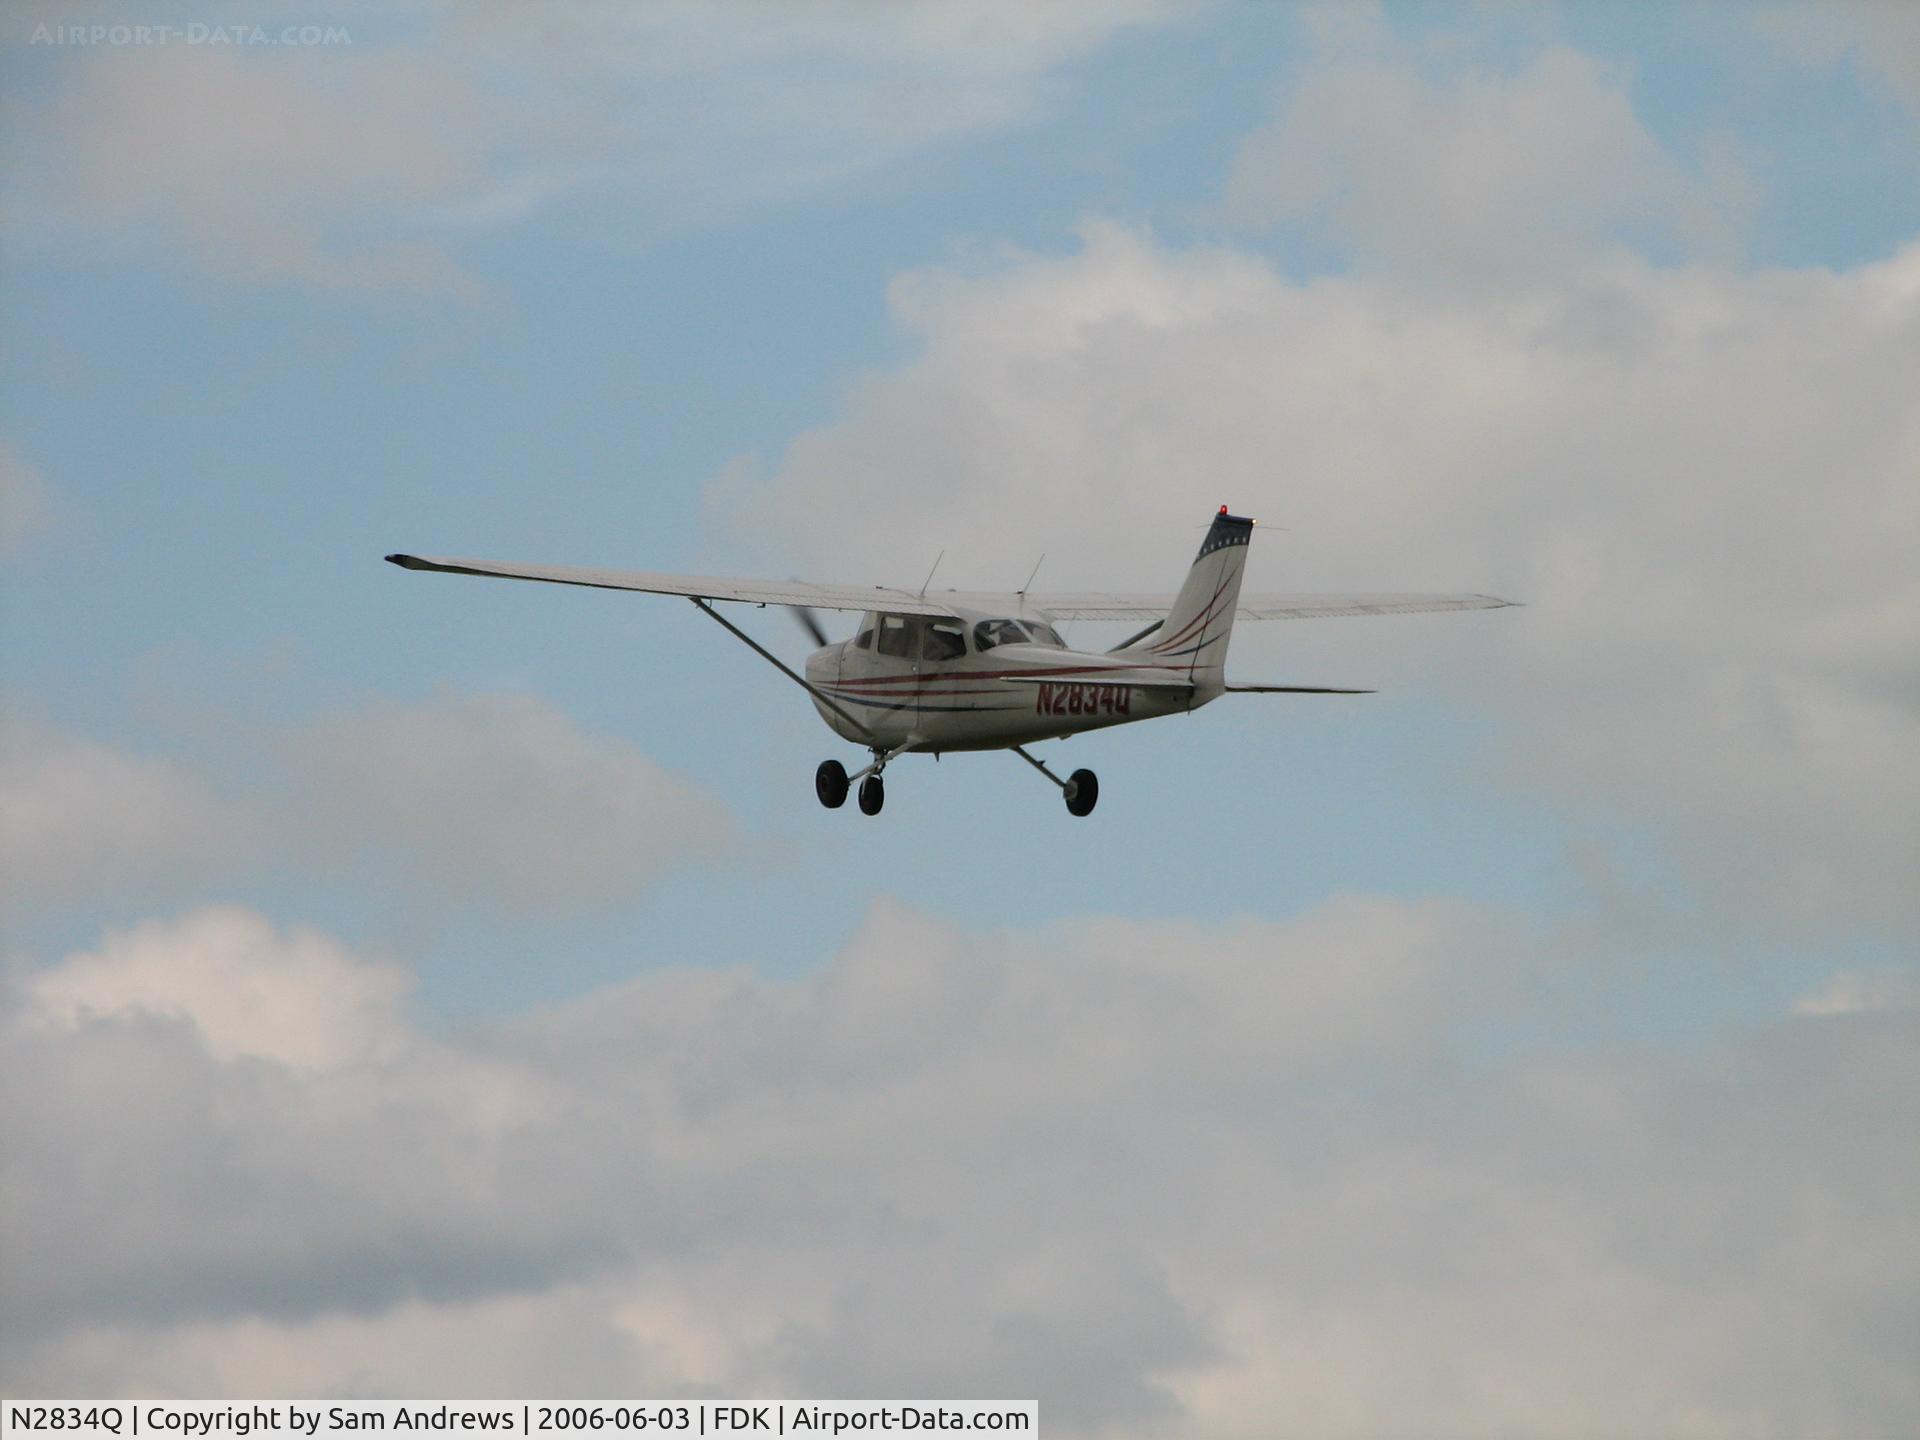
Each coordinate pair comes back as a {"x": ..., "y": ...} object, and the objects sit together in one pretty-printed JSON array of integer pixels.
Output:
[{"x": 1293, "y": 690}]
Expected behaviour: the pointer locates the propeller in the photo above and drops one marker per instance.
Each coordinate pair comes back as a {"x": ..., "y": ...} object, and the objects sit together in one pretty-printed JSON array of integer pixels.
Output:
[{"x": 810, "y": 623}]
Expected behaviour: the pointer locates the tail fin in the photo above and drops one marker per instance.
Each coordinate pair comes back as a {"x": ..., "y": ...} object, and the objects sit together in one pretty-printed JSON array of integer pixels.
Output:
[{"x": 1194, "y": 635}]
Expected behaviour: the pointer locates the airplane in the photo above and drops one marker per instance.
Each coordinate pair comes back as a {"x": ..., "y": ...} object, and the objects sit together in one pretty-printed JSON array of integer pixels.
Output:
[{"x": 959, "y": 670}]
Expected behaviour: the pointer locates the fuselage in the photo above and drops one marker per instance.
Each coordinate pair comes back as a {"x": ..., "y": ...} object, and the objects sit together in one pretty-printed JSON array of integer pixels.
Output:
[{"x": 983, "y": 682}]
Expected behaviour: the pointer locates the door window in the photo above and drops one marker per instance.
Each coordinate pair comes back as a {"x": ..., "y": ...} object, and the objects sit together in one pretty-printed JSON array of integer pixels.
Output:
[
  {"x": 896, "y": 638},
  {"x": 943, "y": 640}
]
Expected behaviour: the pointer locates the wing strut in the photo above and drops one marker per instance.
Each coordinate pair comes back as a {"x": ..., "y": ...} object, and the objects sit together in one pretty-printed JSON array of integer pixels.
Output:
[{"x": 784, "y": 668}]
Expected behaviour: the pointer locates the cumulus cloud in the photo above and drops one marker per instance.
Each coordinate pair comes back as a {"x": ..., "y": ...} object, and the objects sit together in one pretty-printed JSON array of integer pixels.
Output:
[
  {"x": 300, "y": 999},
  {"x": 1169, "y": 1177},
  {"x": 1699, "y": 480},
  {"x": 78, "y": 818},
  {"x": 214, "y": 1116},
  {"x": 262, "y": 164},
  {"x": 352, "y": 166},
  {"x": 497, "y": 800},
  {"x": 1479, "y": 175},
  {"x": 1878, "y": 38},
  {"x": 1853, "y": 992}
]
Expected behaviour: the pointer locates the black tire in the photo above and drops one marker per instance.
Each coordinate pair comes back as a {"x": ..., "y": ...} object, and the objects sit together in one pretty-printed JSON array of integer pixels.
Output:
[
  {"x": 830, "y": 784},
  {"x": 873, "y": 794},
  {"x": 1085, "y": 793}
]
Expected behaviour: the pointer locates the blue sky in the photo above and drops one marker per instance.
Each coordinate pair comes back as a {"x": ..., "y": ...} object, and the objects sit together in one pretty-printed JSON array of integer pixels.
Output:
[{"x": 1612, "y": 309}]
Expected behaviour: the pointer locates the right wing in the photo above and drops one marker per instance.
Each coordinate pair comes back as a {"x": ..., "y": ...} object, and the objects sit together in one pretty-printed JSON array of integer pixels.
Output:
[
  {"x": 1103, "y": 605},
  {"x": 703, "y": 587},
  {"x": 1308, "y": 607}
]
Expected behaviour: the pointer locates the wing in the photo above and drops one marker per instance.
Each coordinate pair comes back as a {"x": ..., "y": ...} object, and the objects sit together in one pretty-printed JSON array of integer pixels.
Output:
[
  {"x": 704, "y": 587},
  {"x": 1100, "y": 605}
]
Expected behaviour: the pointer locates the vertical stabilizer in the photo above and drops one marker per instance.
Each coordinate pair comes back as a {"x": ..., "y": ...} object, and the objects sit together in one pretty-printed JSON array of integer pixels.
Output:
[{"x": 1195, "y": 633}]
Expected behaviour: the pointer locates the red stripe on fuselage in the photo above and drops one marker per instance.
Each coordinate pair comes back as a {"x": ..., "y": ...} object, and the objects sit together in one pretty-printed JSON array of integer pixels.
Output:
[{"x": 1046, "y": 673}]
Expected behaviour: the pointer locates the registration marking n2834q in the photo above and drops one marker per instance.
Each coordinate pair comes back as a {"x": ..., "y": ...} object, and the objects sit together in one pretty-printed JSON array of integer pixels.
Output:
[{"x": 1067, "y": 698}]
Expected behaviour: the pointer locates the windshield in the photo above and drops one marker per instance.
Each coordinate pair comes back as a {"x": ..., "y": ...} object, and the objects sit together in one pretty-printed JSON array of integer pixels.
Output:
[{"x": 989, "y": 633}]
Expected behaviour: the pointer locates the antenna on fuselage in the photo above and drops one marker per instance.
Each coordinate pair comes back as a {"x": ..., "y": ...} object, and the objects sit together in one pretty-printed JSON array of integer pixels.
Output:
[
  {"x": 929, "y": 580},
  {"x": 1022, "y": 591}
]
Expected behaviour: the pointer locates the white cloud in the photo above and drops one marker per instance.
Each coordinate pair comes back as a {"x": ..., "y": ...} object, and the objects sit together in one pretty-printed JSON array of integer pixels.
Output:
[
  {"x": 1698, "y": 480},
  {"x": 498, "y": 800},
  {"x": 78, "y": 818},
  {"x": 1879, "y": 38},
  {"x": 300, "y": 999},
  {"x": 1172, "y": 1178},
  {"x": 351, "y": 167},
  {"x": 1477, "y": 175},
  {"x": 1856, "y": 992},
  {"x": 262, "y": 164}
]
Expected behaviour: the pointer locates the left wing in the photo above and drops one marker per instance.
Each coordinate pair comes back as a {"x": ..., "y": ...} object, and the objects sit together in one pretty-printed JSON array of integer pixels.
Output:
[{"x": 703, "y": 587}]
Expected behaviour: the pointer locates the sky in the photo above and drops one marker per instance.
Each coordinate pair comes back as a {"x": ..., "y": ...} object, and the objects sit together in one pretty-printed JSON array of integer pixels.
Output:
[{"x": 420, "y": 985}]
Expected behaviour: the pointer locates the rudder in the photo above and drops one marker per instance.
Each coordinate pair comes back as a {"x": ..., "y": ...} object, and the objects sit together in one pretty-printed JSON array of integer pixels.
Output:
[{"x": 1195, "y": 633}]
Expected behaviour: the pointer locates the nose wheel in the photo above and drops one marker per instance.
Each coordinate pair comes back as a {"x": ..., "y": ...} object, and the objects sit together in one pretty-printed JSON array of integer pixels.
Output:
[{"x": 830, "y": 784}]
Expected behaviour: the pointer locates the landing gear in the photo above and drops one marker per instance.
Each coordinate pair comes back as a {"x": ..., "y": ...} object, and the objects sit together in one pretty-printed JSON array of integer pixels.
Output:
[
  {"x": 1082, "y": 792},
  {"x": 830, "y": 784}
]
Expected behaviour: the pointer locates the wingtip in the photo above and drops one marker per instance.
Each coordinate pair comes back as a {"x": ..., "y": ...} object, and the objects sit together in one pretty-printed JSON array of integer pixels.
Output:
[{"x": 406, "y": 562}]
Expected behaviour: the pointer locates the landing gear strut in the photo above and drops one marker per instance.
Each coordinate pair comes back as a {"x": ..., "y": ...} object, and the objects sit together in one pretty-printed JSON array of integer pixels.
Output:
[{"x": 1081, "y": 790}]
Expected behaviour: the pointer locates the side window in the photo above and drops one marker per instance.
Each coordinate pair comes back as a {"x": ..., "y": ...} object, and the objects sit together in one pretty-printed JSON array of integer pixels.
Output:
[
  {"x": 984, "y": 637},
  {"x": 895, "y": 637},
  {"x": 943, "y": 640}
]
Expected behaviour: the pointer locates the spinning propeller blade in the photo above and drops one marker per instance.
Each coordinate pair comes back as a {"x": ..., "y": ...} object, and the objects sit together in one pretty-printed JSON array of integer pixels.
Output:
[{"x": 810, "y": 623}]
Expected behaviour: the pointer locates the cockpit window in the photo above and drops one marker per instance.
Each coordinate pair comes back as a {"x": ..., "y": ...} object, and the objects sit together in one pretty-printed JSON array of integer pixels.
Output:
[
  {"x": 1045, "y": 634},
  {"x": 943, "y": 640},
  {"x": 989, "y": 633},
  {"x": 864, "y": 640}
]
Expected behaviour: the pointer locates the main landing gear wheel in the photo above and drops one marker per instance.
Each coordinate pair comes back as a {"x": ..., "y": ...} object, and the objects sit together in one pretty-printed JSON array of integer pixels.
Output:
[
  {"x": 830, "y": 784},
  {"x": 873, "y": 794},
  {"x": 1083, "y": 792}
]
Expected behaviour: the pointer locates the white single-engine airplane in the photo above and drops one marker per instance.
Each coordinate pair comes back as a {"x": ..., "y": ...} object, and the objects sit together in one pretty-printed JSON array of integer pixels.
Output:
[{"x": 956, "y": 670}]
